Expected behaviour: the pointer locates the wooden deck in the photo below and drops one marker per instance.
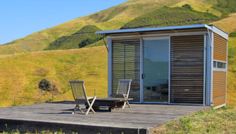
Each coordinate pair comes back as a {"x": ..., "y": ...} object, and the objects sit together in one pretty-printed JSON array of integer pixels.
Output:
[{"x": 139, "y": 119}]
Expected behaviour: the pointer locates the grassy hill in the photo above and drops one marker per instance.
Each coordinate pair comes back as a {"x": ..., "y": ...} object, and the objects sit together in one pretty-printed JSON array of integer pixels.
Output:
[
  {"x": 21, "y": 73},
  {"x": 84, "y": 37},
  {"x": 112, "y": 18},
  {"x": 228, "y": 23},
  {"x": 171, "y": 16},
  {"x": 118, "y": 16},
  {"x": 225, "y": 6}
]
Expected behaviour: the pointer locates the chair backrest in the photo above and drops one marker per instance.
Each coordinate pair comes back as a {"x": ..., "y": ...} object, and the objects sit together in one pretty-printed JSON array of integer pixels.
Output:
[
  {"x": 123, "y": 88},
  {"x": 78, "y": 89}
]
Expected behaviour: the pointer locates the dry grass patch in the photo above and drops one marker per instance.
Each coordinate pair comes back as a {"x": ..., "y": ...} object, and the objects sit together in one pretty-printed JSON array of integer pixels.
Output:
[
  {"x": 228, "y": 24},
  {"x": 20, "y": 74}
]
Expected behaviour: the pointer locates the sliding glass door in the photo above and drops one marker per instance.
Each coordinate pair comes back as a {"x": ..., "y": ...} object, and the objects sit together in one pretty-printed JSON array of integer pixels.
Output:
[
  {"x": 156, "y": 70},
  {"x": 130, "y": 59},
  {"x": 126, "y": 65}
]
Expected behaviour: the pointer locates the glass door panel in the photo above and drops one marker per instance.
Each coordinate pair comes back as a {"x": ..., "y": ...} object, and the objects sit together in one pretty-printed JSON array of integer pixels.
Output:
[
  {"x": 126, "y": 65},
  {"x": 156, "y": 70}
]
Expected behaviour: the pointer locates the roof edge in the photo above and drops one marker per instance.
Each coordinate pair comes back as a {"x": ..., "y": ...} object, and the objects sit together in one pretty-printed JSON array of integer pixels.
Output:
[
  {"x": 135, "y": 30},
  {"x": 218, "y": 31}
]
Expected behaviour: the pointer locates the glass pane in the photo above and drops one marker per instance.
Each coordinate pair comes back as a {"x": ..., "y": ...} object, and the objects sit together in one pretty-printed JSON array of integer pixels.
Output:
[
  {"x": 221, "y": 65},
  {"x": 156, "y": 70},
  {"x": 215, "y": 64},
  {"x": 126, "y": 65}
]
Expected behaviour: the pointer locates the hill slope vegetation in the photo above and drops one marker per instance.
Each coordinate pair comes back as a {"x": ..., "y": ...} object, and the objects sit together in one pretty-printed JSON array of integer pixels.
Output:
[
  {"x": 113, "y": 18},
  {"x": 118, "y": 16},
  {"x": 84, "y": 37},
  {"x": 171, "y": 16},
  {"x": 21, "y": 74}
]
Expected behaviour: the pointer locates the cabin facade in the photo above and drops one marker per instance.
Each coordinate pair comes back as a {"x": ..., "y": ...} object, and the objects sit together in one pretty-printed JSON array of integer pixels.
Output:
[{"x": 170, "y": 65}]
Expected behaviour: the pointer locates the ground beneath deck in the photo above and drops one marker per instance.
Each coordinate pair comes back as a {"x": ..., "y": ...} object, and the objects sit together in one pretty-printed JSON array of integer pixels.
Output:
[{"x": 139, "y": 116}]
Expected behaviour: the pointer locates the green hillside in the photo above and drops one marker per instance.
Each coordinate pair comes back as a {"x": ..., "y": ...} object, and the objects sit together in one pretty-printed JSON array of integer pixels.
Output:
[
  {"x": 225, "y": 6},
  {"x": 118, "y": 16},
  {"x": 84, "y": 37},
  {"x": 113, "y": 18},
  {"x": 171, "y": 16}
]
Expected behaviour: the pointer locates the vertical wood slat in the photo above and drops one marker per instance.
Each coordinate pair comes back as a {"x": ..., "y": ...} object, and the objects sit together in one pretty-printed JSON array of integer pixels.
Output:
[
  {"x": 126, "y": 64},
  {"x": 187, "y": 69}
]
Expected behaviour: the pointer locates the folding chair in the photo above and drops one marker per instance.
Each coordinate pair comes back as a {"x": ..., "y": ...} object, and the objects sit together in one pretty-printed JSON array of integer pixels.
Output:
[
  {"x": 80, "y": 97},
  {"x": 123, "y": 90}
]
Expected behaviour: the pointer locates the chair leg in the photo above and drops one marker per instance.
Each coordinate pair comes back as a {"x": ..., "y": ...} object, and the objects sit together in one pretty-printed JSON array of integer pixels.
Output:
[
  {"x": 123, "y": 107},
  {"x": 77, "y": 107},
  {"x": 93, "y": 110},
  {"x": 128, "y": 104},
  {"x": 91, "y": 106},
  {"x": 81, "y": 110}
]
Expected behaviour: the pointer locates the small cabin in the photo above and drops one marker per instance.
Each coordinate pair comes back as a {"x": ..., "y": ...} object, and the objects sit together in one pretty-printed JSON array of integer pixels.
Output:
[{"x": 170, "y": 65}]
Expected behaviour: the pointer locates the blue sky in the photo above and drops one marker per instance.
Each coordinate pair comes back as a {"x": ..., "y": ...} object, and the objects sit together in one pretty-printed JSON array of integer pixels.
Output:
[{"x": 19, "y": 18}]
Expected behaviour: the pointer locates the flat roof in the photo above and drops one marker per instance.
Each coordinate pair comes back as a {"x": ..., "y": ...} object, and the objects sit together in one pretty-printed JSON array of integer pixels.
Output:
[{"x": 137, "y": 30}]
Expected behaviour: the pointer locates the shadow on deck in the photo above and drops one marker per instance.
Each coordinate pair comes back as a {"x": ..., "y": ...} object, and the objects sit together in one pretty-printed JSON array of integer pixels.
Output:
[{"x": 140, "y": 119}]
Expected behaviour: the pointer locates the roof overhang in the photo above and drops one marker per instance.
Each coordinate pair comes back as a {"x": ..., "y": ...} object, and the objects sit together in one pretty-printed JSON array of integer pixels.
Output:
[{"x": 140, "y": 30}]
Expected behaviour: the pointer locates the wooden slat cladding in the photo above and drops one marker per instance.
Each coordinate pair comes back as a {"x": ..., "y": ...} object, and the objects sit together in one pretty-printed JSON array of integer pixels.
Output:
[
  {"x": 187, "y": 69},
  {"x": 219, "y": 77},
  {"x": 220, "y": 48},
  {"x": 219, "y": 87},
  {"x": 126, "y": 64}
]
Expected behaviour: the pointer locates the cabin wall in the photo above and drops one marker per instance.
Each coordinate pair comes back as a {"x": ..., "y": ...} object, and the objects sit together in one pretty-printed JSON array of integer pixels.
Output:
[
  {"x": 186, "y": 65},
  {"x": 219, "y": 74}
]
